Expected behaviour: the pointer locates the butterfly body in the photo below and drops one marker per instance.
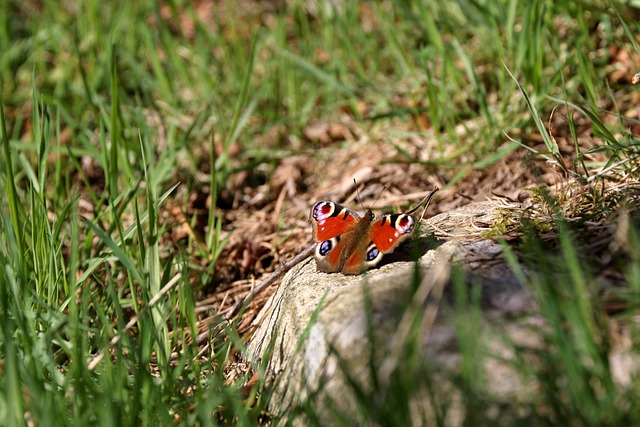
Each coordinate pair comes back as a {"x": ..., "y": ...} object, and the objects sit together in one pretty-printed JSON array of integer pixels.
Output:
[{"x": 351, "y": 244}]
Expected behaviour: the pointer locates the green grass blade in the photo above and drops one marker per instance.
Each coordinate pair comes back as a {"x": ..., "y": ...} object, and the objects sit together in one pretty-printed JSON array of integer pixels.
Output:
[
  {"x": 12, "y": 193},
  {"x": 152, "y": 268},
  {"x": 117, "y": 251}
]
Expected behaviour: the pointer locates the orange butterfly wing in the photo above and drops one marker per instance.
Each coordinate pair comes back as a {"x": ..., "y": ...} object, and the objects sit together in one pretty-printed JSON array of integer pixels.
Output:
[
  {"x": 388, "y": 231},
  {"x": 330, "y": 221}
]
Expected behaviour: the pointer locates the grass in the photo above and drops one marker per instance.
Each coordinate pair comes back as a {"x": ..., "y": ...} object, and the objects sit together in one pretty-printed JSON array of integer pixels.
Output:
[{"x": 112, "y": 112}]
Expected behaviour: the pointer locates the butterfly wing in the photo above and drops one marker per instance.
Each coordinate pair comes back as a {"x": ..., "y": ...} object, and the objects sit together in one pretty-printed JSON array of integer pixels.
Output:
[
  {"x": 388, "y": 231},
  {"x": 385, "y": 234},
  {"x": 357, "y": 262},
  {"x": 330, "y": 221}
]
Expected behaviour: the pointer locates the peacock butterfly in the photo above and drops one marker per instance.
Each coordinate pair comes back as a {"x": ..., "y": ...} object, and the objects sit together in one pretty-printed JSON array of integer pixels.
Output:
[{"x": 350, "y": 244}]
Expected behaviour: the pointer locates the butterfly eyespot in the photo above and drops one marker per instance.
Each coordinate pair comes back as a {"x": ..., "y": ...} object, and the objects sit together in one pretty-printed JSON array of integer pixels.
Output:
[
  {"x": 323, "y": 210},
  {"x": 403, "y": 223},
  {"x": 325, "y": 247},
  {"x": 372, "y": 254}
]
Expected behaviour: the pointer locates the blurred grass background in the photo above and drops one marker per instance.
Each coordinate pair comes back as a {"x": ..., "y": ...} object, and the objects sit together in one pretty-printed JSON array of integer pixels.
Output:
[{"x": 115, "y": 112}]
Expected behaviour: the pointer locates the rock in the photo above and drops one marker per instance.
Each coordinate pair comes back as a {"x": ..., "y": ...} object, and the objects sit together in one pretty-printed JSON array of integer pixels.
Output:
[{"x": 318, "y": 326}]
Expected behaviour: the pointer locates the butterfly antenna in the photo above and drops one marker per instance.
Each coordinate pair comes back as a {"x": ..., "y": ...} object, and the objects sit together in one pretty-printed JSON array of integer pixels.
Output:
[
  {"x": 384, "y": 187},
  {"x": 358, "y": 194},
  {"x": 426, "y": 200}
]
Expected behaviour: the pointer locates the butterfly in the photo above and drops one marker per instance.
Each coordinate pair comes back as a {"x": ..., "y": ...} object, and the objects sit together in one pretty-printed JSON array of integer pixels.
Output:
[{"x": 350, "y": 244}]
